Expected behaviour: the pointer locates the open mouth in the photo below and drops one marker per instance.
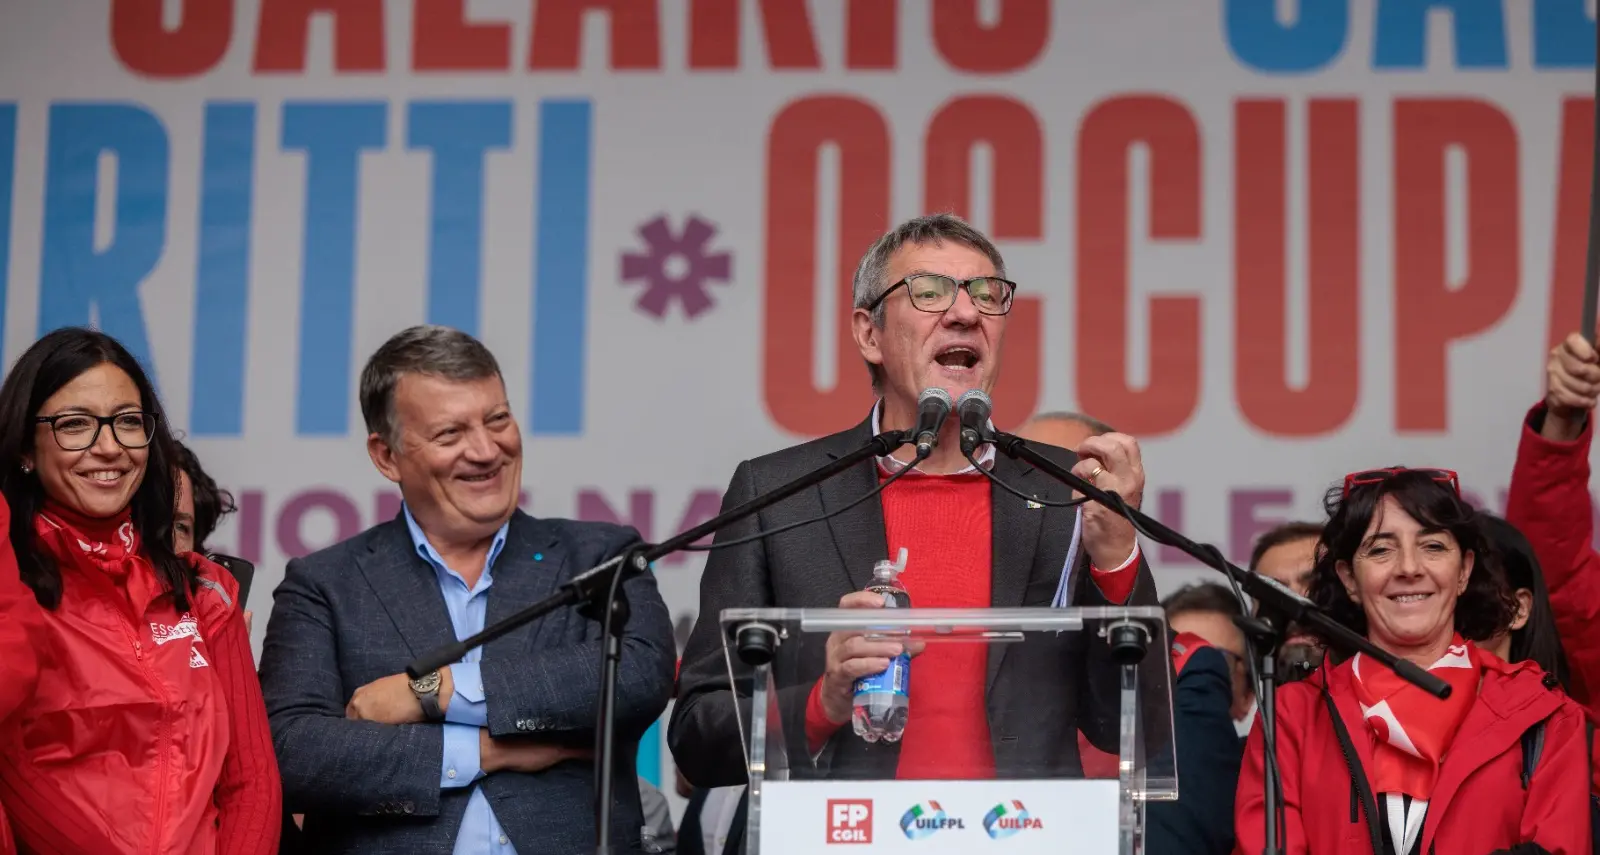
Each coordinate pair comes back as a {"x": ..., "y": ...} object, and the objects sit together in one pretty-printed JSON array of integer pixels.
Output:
[
  {"x": 482, "y": 477},
  {"x": 958, "y": 357},
  {"x": 1406, "y": 599},
  {"x": 104, "y": 477}
]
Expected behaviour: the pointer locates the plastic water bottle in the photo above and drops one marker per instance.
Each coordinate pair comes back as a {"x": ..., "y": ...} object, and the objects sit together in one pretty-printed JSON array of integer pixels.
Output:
[{"x": 882, "y": 702}]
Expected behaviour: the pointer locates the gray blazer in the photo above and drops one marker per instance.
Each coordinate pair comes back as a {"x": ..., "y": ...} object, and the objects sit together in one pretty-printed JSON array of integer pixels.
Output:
[
  {"x": 1038, "y": 695},
  {"x": 364, "y": 608}
]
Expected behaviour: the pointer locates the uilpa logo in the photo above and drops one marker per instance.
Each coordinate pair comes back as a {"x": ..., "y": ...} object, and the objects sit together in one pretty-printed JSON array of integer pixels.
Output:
[
  {"x": 849, "y": 820},
  {"x": 1008, "y": 818},
  {"x": 924, "y": 818}
]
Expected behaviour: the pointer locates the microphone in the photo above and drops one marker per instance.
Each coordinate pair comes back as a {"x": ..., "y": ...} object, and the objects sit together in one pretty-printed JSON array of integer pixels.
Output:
[
  {"x": 973, "y": 409},
  {"x": 933, "y": 407}
]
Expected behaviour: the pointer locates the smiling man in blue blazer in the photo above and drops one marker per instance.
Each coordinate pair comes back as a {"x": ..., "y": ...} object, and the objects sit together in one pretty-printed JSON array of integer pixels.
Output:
[{"x": 490, "y": 755}]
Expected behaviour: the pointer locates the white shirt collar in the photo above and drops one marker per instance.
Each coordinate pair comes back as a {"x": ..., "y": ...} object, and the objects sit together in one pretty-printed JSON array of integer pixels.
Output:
[{"x": 890, "y": 465}]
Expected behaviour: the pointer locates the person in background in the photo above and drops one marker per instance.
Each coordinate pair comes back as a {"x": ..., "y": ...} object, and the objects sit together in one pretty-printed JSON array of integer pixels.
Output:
[
  {"x": 1287, "y": 554},
  {"x": 491, "y": 754},
  {"x": 1207, "y": 610},
  {"x": 171, "y": 752},
  {"x": 1549, "y": 503},
  {"x": 201, "y": 506},
  {"x": 22, "y": 636},
  {"x": 1207, "y": 650},
  {"x": 1532, "y": 635},
  {"x": 201, "y": 503},
  {"x": 1371, "y": 763}
]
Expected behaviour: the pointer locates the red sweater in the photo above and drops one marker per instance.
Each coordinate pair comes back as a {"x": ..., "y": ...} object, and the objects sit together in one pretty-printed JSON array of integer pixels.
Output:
[{"x": 943, "y": 522}]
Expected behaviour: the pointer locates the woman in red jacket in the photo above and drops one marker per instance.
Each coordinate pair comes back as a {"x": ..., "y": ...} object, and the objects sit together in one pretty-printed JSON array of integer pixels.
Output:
[
  {"x": 1372, "y": 764},
  {"x": 21, "y": 634},
  {"x": 147, "y": 733}
]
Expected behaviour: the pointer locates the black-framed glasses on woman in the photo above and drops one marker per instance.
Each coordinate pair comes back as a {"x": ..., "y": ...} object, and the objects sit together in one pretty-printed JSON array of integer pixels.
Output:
[
  {"x": 936, "y": 293},
  {"x": 79, "y": 431}
]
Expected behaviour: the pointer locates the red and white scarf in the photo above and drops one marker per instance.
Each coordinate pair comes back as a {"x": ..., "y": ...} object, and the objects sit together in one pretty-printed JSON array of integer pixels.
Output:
[
  {"x": 108, "y": 547},
  {"x": 1412, "y": 730}
]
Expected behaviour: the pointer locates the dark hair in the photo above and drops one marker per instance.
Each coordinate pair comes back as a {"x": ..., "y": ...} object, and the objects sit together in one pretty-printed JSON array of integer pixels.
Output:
[
  {"x": 1289, "y": 532},
  {"x": 1484, "y": 610},
  {"x": 1538, "y": 639},
  {"x": 422, "y": 349},
  {"x": 49, "y": 364},
  {"x": 1202, "y": 597},
  {"x": 211, "y": 502}
]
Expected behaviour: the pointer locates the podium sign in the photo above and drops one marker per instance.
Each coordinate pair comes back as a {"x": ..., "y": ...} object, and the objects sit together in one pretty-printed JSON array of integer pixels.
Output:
[
  {"x": 1039, "y": 817},
  {"x": 1050, "y": 674}
]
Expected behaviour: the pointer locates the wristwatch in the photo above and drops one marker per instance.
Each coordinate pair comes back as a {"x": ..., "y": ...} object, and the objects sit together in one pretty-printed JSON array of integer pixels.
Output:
[{"x": 426, "y": 688}]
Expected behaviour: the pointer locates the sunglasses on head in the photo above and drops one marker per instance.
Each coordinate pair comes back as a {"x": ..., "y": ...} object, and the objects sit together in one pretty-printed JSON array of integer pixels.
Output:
[{"x": 1378, "y": 476}]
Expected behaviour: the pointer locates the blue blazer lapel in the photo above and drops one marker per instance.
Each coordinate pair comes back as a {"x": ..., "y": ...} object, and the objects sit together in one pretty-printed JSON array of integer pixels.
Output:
[
  {"x": 407, "y": 587},
  {"x": 527, "y": 571}
]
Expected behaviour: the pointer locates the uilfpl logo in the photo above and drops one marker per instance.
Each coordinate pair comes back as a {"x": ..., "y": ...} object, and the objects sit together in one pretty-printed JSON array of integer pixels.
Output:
[
  {"x": 924, "y": 818},
  {"x": 849, "y": 820},
  {"x": 1008, "y": 818}
]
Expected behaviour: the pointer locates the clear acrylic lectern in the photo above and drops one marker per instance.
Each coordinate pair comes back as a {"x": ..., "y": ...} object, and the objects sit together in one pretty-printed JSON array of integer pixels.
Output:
[{"x": 1047, "y": 675}]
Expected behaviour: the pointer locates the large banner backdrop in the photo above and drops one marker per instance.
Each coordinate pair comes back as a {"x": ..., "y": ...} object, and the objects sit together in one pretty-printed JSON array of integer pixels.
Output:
[{"x": 1274, "y": 240}]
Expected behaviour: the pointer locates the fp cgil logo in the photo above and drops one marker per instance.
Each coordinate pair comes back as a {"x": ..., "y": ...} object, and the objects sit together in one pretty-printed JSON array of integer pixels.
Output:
[{"x": 849, "y": 820}]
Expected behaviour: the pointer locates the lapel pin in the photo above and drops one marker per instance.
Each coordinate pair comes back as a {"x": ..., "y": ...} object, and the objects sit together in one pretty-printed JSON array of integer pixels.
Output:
[{"x": 1032, "y": 505}]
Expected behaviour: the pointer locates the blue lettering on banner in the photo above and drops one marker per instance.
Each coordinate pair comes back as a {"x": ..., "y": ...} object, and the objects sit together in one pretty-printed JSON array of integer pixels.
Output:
[
  {"x": 8, "y": 166},
  {"x": 333, "y": 136},
  {"x": 1263, "y": 42},
  {"x": 1402, "y": 33},
  {"x": 1563, "y": 34},
  {"x": 459, "y": 134},
  {"x": 75, "y": 276},
  {"x": 560, "y": 265},
  {"x": 222, "y": 270}
]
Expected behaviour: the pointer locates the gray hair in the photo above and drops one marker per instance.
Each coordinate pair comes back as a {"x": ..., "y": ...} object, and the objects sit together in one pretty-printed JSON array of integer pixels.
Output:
[
  {"x": 1098, "y": 427},
  {"x": 423, "y": 349},
  {"x": 873, "y": 271}
]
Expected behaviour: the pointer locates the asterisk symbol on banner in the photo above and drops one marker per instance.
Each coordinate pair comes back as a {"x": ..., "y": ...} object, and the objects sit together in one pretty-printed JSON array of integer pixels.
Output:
[{"x": 676, "y": 267}]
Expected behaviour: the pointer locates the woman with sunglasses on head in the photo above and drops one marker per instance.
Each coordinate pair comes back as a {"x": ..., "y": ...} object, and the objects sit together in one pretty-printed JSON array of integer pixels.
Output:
[
  {"x": 1371, "y": 763},
  {"x": 147, "y": 732}
]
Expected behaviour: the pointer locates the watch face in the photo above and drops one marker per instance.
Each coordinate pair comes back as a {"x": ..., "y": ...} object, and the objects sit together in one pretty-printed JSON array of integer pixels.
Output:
[{"x": 426, "y": 683}]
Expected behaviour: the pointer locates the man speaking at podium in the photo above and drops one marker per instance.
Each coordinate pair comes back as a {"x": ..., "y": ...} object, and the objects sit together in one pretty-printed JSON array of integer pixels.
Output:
[{"x": 931, "y": 300}]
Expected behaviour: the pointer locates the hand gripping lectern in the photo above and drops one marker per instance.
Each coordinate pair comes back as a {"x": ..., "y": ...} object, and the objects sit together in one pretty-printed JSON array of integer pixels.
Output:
[{"x": 1046, "y": 675}]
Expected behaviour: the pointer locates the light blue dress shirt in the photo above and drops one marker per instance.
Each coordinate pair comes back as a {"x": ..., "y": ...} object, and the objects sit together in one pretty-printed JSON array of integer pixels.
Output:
[{"x": 480, "y": 832}]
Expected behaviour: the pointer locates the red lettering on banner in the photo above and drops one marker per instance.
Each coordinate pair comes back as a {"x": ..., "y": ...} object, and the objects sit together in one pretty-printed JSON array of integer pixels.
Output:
[
  {"x": 1108, "y": 132},
  {"x": 1011, "y": 131},
  {"x": 1011, "y": 44},
  {"x": 1568, "y": 254},
  {"x": 1260, "y": 305},
  {"x": 558, "y": 33},
  {"x": 1430, "y": 311},
  {"x": 442, "y": 40},
  {"x": 871, "y": 36},
  {"x": 788, "y": 350},
  {"x": 144, "y": 44},
  {"x": 872, "y": 41},
  {"x": 285, "y": 29}
]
